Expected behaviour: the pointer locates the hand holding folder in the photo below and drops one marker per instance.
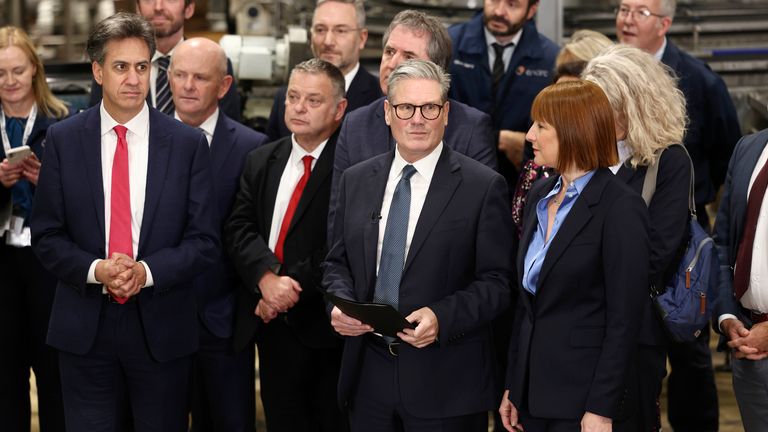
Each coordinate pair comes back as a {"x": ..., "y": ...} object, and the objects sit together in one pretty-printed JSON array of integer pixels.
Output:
[{"x": 384, "y": 319}]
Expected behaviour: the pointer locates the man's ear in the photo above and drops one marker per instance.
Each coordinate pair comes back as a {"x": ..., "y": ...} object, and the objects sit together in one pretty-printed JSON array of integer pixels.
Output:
[{"x": 97, "y": 70}]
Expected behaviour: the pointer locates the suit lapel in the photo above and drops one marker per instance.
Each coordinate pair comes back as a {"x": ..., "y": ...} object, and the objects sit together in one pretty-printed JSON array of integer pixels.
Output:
[
  {"x": 445, "y": 180},
  {"x": 224, "y": 140},
  {"x": 90, "y": 140},
  {"x": 157, "y": 167},
  {"x": 378, "y": 182},
  {"x": 577, "y": 218},
  {"x": 322, "y": 170},
  {"x": 530, "y": 223}
]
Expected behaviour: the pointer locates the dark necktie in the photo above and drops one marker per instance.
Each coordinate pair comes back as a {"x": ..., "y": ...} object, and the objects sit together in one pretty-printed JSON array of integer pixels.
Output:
[
  {"x": 498, "y": 65},
  {"x": 392, "y": 259},
  {"x": 21, "y": 192},
  {"x": 163, "y": 99},
  {"x": 292, "y": 205},
  {"x": 743, "y": 267},
  {"x": 120, "y": 239}
]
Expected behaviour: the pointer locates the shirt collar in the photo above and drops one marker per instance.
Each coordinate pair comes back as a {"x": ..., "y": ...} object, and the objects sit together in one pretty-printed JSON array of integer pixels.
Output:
[
  {"x": 660, "y": 53},
  {"x": 424, "y": 166},
  {"x": 350, "y": 76},
  {"x": 575, "y": 188},
  {"x": 158, "y": 54},
  {"x": 490, "y": 39},
  {"x": 624, "y": 153},
  {"x": 138, "y": 125},
  {"x": 298, "y": 152},
  {"x": 208, "y": 126}
]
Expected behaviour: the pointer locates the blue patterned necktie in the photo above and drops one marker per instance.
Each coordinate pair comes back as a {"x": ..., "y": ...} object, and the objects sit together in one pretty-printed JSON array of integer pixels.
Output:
[
  {"x": 393, "y": 249},
  {"x": 163, "y": 99}
]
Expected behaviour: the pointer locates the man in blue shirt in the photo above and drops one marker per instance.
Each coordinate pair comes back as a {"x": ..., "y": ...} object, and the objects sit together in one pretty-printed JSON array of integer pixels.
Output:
[{"x": 505, "y": 84}]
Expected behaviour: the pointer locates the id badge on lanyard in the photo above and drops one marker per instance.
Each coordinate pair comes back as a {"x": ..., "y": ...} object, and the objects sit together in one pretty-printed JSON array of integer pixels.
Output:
[{"x": 18, "y": 234}]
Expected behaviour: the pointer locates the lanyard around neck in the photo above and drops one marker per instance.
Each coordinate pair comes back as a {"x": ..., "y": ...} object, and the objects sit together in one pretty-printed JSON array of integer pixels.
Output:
[{"x": 27, "y": 128}]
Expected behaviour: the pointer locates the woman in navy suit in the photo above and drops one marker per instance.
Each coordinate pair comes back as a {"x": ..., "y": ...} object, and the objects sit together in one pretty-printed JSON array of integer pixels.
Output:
[
  {"x": 637, "y": 85},
  {"x": 27, "y": 108},
  {"x": 582, "y": 272}
]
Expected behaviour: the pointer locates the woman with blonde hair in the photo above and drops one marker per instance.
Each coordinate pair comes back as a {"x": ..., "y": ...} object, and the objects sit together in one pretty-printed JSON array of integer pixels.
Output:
[
  {"x": 650, "y": 116},
  {"x": 27, "y": 109}
]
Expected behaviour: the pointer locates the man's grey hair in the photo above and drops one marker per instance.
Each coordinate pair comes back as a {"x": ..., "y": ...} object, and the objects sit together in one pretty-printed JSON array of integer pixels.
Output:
[
  {"x": 439, "y": 44},
  {"x": 120, "y": 26},
  {"x": 322, "y": 67},
  {"x": 359, "y": 10},
  {"x": 419, "y": 69},
  {"x": 667, "y": 7}
]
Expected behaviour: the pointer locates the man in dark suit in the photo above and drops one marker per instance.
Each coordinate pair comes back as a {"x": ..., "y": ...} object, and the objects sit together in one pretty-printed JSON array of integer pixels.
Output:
[
  {"x": 428, "y": 231},
  {"x": 124, "y": 218},
  {"x": 711, "y": 134},
  {"x": 338, "y": 34},
  {"x": 167, "y": 17},
  {"x": 502, "y": 85},
  {"x": 223, "y": 397},
  {"x": 742, "y": 309},
  {"x": 276, "y": 236}
]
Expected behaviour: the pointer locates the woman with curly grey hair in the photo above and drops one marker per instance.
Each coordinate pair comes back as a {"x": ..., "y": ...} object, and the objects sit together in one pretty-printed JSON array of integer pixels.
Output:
[{"x": 650, "y": 116}]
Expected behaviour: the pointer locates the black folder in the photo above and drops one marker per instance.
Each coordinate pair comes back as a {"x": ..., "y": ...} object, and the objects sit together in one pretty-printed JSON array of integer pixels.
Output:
[{"x": 384, "y": 319}]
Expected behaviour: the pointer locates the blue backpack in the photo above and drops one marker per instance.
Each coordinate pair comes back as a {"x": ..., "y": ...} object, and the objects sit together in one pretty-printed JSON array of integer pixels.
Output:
[{"x": 686, "y": 303}]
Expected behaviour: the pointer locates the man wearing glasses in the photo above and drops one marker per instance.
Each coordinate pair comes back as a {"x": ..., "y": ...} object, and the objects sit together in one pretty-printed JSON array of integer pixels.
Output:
[
  {"x": 428, "y": 231},
  {"x": 713, "y": 131},
  {"x": 338, "y": 35}
]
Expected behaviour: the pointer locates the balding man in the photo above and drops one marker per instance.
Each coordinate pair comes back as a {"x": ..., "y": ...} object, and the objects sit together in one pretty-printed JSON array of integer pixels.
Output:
[
  {"x": 276, "y": 237},
  {"x": 223, "y": 380},
  {"x": 338, "y": 35},
  {"x": 711, "y": 135}
]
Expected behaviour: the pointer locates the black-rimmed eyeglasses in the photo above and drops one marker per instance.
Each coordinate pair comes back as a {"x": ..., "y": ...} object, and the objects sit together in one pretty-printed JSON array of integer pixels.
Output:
[
  {"x": 640, "y": 15},
  {"x": 430, "y": 111}
]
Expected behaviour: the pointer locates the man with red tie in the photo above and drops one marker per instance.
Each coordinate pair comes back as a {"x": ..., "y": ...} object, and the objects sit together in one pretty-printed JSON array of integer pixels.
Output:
[
  {"x": 123, "y": 216},
  {"x": 276, "y": 236},
  {"x": 741, "y": 228}
]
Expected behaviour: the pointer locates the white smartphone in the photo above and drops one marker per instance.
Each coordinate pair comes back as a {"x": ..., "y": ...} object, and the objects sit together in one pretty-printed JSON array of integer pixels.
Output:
[{"x": 18, "y": 154}]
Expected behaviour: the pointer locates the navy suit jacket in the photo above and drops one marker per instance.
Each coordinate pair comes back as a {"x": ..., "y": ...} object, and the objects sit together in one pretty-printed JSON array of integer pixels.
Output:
[
  {"x": 459, "y": 265},
  {"x": 668, "y": 229},
  {"x": 363, "y": 90},
  {"x": 178, "y": 236},
  {"x": 713, "y": 128},
  {"x": 572, "y": 342},
  {"x": 247, "y": 239},
  {"x": 729, "y": 225},
  {"x": 229, "y": 104},
  {"x": 216, "y": 287},
  {"x": 530, "y": 70}
]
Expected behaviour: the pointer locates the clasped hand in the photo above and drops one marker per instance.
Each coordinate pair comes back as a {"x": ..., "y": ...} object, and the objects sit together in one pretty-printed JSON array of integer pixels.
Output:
[
  {"x": 750, "y": 344},
  {"x": 278, "y": 294},
  {"x": 121, "y": 275},
  {"x": 29, "y": 169}
]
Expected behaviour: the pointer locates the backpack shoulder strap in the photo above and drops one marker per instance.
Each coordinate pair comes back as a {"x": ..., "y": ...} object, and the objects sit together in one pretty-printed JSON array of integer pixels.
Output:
[{"x": 649, "y": 183}]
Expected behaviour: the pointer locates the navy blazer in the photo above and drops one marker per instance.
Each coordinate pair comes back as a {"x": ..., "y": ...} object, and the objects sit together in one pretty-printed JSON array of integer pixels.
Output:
[
  {"x": 247, "y": 239},
  {"x": 572, "y": 342},
  {"x": 713, "y": 127},
  {"x": 178, "y": 236},
  {"x": 530, "y": 70},
  {"x": 216, "y": 287},
  {"x": 363, "y": 90},
  {"x": 731, "y": 216},
  {"x": 668, "y": 229},
  {"x": 459, "y": 265},
  {"x": 229, "y": 104}
]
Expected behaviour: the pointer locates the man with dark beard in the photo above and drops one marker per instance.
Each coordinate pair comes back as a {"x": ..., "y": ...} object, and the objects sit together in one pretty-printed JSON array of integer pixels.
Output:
[
  {"x": 500, "y": 63},
  {"x": 167, "y": 17}
]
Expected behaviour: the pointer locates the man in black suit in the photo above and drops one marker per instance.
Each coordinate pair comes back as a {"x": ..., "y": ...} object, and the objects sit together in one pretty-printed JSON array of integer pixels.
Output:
[
  {"x": 124, "y": 218},
  {"x": 223, "y": 396},
  {"x": 338, "y": 35},
  {"x": 167, "y": 17},
  {"x": 710, "y": 137},
  {"x": 276, "y": 237},
  {"x": 428, "y": 231}
]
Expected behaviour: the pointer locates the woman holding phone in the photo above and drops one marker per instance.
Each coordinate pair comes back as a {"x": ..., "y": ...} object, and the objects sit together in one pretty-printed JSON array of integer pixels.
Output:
[{"x": 27, "y": 108}]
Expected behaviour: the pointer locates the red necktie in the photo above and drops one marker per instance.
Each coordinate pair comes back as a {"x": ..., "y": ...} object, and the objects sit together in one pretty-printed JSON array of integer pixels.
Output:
[
  {"x": 120, "y": 206},
  {"x": 292, "y": 204},
  {"x": 743, "y": 267}
]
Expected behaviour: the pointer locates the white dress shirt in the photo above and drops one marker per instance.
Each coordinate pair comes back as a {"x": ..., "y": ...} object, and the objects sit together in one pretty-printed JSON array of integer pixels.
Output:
[
  {"x": 154, "y": 69},
  {"x": 350, "y": 76},
  {"x": 292, "y": 173},
  {"x": 137, "y": 137},
  {"x": 425, "y": 168},
  {"x": 756, "y": 296},
  {"x": 207, "y": 127},
  {"x": 506, "y": 56},
  {"x": 624, "y": 153}
]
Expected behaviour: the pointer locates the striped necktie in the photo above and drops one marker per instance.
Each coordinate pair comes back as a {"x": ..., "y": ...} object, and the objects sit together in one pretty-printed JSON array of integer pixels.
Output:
[{"x": 163, "y": 99}]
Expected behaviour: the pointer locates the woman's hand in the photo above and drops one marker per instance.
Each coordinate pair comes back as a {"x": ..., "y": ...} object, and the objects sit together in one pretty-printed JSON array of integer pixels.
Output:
[
  {"x": 508, "y": 414},
  {"x": 10, "y": 174},
  {"x": 31, "y": 168},
  {"x": 595, "y": 423}
]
